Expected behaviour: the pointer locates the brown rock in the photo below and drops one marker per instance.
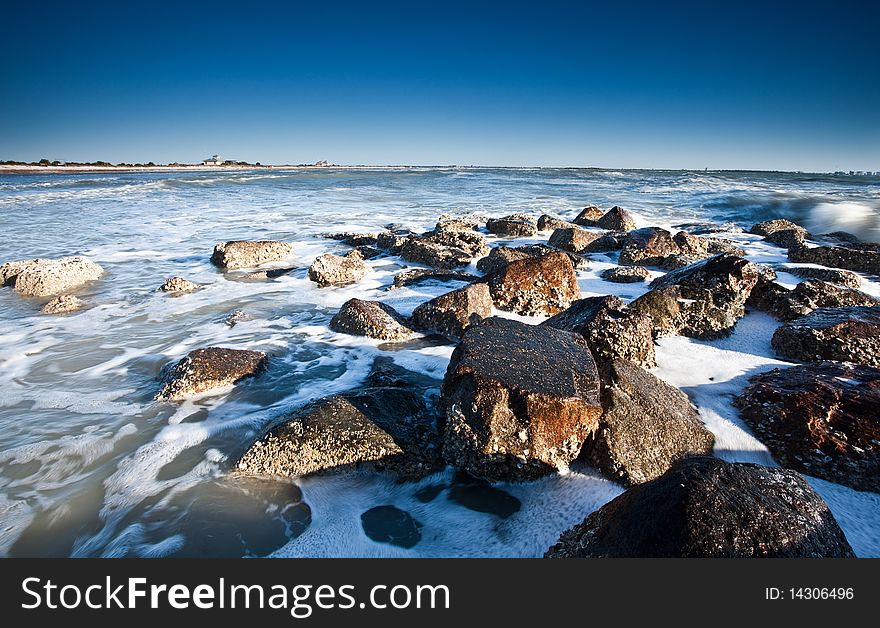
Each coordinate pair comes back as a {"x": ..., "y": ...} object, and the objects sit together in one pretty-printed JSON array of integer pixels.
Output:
[
  {"x": 589, "y": 216},
  {"x": 535, "y": 285},
  {"x": 371, "y": 319},
  {"x": 626, "y": 274},
  {"x": 249, "y": 253},
  {"x": 179, "y": 285},
  {"x": 335, "y": 270},
  {"x": 420, "y": 275},
  {"x": 845, "y": 278},
  {"x": 808, "y": 296},
  {"x": 862, "y": 260},
  {"x": 616, "y": 219},
  {"x": 647, "y": 246},
  {"x": 549, "y": 223},
  {"x": 207, "y": 369},
  {"x": 353, "y": 238},
  {"x": 450, "y": 314},
  {"x": 771, "y": 226},
  {"x": 62, "y": 305},
  {"x": 516, "y": 226},
  {"x": 574, "y": 240},
  {"x": 847, "y": 334},
  {"x": 48, "y": 277}
]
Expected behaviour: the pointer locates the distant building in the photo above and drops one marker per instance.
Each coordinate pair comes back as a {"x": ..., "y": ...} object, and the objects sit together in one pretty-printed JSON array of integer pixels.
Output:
[
  {"x": 213, "y": 161},
  {"x": 322, "y": 164}
]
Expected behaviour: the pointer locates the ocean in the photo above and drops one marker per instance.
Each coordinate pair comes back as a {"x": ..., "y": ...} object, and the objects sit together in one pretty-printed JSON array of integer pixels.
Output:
[{"x": 90, "y": 465}]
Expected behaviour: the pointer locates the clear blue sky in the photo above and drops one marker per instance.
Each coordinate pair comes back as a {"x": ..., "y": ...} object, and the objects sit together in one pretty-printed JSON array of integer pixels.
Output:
[{"x": 617, "y": 84}]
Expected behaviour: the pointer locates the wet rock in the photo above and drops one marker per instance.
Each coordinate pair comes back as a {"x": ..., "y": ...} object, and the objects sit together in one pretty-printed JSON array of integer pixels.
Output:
[
  {"x": 626, "y": 274},
  {"x": 179, "y": 285},
  {"x": 788, "y": 238},
  {"x": 391, "y": 242},
  {"x": 609, "y": 241},
  {"x": 820, "y": 419},
  {"x": 499, "y": 257},
  {"x": 646, "y": 425},
  {"x": 203, "y": 370},
  {"x": 647, "y": 246},
  {"x": 549, "y": 223},
  {"x": 480, "y": 496},
  {"x": 353, "y": 238},
  {"x": 847, "y": 334},
  {"x": 372, "y": 319},
  {"x": 444, "y": 249},
  {"x": 450, "y": 314},
  {"x": 703, "y": 300},
  {"x": 574, "y": 240},
  {"x": 589, "y": 216},
  {"x": 62, "y": 305},
  {"x": 702, "y": 247},
  {"x": 249, "y": 253},
  {"x": 808, "y": 296},
  {"x": 616, "y": 219},
  {"x": 702, "y": 228},
  {"x": 238, "y": 316},
  {"x": 765, "y": 295},
  {"x": 48, "y": 277},
  {"x": 335, "y": 270},
  {"x": 850, "y": 258},
  {"x": 457, "y": 224},
  {"x": 420, "y": 275},
  {"x": 263, "y": 275},
  {"x": 384, "y": 426},
  {"x": 771, "y": 226},
  {"x": 706, "y": 508},
  {"x": 536, "y": 285},
  {"x": 610, "y": 328},
  {"x": 516, "y": 226},
  {"x": 844, "y": 278},
  {"x": 389, "y": 524},
  {"x": 519, "y": 400},
  {"x": 369, "y": 252}
]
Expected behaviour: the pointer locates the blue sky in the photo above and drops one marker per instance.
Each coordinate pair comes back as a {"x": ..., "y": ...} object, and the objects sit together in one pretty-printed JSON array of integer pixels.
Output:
[{"x": 674, "y": 85}]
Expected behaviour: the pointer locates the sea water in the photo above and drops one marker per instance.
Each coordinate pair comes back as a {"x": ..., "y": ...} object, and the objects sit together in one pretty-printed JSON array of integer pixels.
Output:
[{"x": 90, "y": 465}]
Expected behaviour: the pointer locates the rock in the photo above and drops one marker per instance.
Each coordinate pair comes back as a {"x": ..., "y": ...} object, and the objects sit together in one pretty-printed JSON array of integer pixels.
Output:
[
  {"x": 389, "y": 524},
  {"x": 179, "y": 285},
  {"x": 647, "y": 246},
  {"x": 334, "y": 270},
  {"x": 62, "y": 305},
  {"x": 574, "y": 240},
  {"x": 391, "y": 242},
  {"x": 845, "y": 278},
  {"x": 765, "y": 295},
  {"x": 203, "y": 370},
  {"x": 772, "y": 226},
  {"x": 419, "y": 275},
  {"x": 516, "y": 226},
  {"x": 369, "y": 252},
  {"x": 383, "y": 426},
  {"x": 48, "y": 277},
  {"x": 589, "y": 216},
  {"x": 353, "y": 238},
  {"x": 788, "y": 238},
  {"x": 549, "y": 223},
  {"x": 238, "y": 316},
  {"x": 371, "y": 319},
  {"x": 616, "y": 219},
  {"x": 519, "y": 400},
  {"x": 847, "y": 334},
  {"x": 456, "y": 224},
  {"x": 808, "y": 296},
  {"x": 703, "y": 300},
  {"x": 249, "y": 253},
  {"x": 702, "y": 247},
  {"x": 706, "y": 508},
  {"x": 702, "y": 228},
  {"x": 862, "y": 260},
  {"x": 819, "y": 419},
  {"x": 610, "y": 328},
  {"x": 609, "y": 241},
  {"x": 263, "y": 275},
  {"x": 499, "y": 257},
  {"x": 626, "y": 274},
  {"x": 450, "y": 314},
  {"x": 646, "y": 425},
  {"x": 536, "y": 285},
  {"x": 444, "y": 249}
]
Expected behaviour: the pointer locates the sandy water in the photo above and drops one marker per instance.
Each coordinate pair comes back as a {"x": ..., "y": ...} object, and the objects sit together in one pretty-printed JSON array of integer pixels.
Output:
[{"x": 91, "y": 466}]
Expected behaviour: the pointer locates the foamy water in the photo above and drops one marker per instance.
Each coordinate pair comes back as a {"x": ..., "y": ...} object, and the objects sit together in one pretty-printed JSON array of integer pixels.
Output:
[{"x": 91, "y": 466}]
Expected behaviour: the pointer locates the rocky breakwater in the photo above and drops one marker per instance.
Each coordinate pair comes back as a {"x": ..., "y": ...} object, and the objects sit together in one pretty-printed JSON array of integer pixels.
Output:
[{"x": 519, "y": 400}]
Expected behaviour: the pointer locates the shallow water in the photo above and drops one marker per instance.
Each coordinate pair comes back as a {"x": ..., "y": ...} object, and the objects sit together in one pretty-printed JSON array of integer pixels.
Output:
[{"x": 91, "y": 466}]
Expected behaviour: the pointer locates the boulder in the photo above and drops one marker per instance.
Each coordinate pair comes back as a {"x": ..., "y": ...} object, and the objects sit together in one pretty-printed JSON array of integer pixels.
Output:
[
  {"x": 249, "y": 253},
  {"x": 62, "y": 305},
  {"x": 372, "y": 319},
  {"x": 419, "y": 275},
  {"x": 702, "y": 247},
  {"x": 549, "y": 223},
  {"x": 706, "y": 508},
  {"x": 391, "y": 242},
  {"x": 765, "y": 295},
  {"x": 499, "y": 257},
  {"x": 450, "y": 314},
  {"x": 820, "y": 419},
  {"x": 536, "y": 285},
  {"x": 456, "y": 224},
  {"x": 573, "y": 239},
  {"x": 335, "y": 270},
  {"x": 382, "y": 426},
  {"x": 788, "y": 238},
  {"x": 769, "y": 227},
  {"x": 646, "y": 425},
  {"x": 703, "y": 300},
  {"x": 647, "y": 246},
  {"x": 862, "y": 260},
  {"x": 444, "y": 249},
  {"x": 847, "y": 334},
  {"x": 516, "y": 226},
  {"x": 519, "y": 400},
  {"x": 48, "y": 277},
  {"x": 702, "y": 228},
  {"x": 203, "y": 370},
  {"x": 609, "y": 241},
  {"x": 808, "y": 296},
  {"x": 179, "y": 285},
  {"x": 353, "y": 238},
  {"x": 616, "y": 219},
  {"x": 626, "y": 274},
  {"x": 845, "y": 278},
  {"x": 610, "y": 328},
  {"x": 589, "y": 216}
]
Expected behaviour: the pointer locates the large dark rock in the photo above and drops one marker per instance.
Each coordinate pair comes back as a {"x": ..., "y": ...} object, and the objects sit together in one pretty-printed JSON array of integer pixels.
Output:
[
  {"x": 336, "y": 270},
  {"x": 808, "y": 296},
  {"x": 420, "y": 275},
  {"x": 550, "y": 223},
  {"x": 573, "y": 239},
  {"x": 626, "y": 274},
  {"x": 451, "y": 313},
  {"x": 516, "y": 226},
  {"x": 207, "y": 369},
  {"x": 848, "y": 334},
  {"x": 788, "y": 238},
  {"x": 536, "y": 285},
  {"x": 702, "y": 247},
  {"x": 589, "y": 216},
  {"x": 703, "y": 300},
  {"x": 456, "y": 224},
  {"x": 519, "y": 400},
  {"x": 647, "y": 246},
  {"x": 845, "y": 278},
  {"x": 820, "y": 419},
  {"x": 707, "y": 508},
  {"x": 862, "y": 260},
  {"x": 353, "y": 238},
  {"x": 616, "y": 219},
  {"x": 249, "y": 253},
  {"x": 499, "y": 257},
  {"x": 444, "y": 249},
  {"x": 646, "y": 425},
  {"x": 372, "y": 319},
  {"x": 610, "y": 328},
  {"x": 384, "y": 426},
  {"x": 769, "y": 227}
]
